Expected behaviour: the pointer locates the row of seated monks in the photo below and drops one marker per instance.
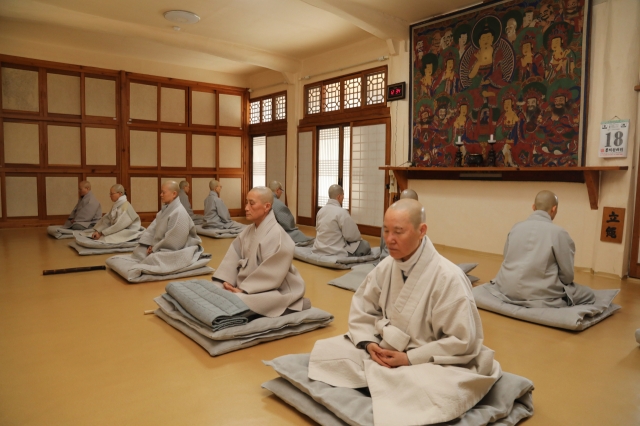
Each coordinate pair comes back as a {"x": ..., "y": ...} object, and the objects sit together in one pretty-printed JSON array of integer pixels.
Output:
[{"x": 415, "y": 337}]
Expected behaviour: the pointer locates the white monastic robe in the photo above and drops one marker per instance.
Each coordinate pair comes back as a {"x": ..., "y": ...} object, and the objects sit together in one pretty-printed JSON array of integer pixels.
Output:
[
  {"x": 336, "y": 232},
  {"x": 216, "y": 214},
  {"x": 433, "y": 318},
  {"x": 119, "y": 225},
  {"x": 259, "y": 262},
  {"x": 184, "y": 199},
  {"x": 85, "y": 213},
  {"x": 537, "y": 270},
  {"x": 287, "y": 221}
]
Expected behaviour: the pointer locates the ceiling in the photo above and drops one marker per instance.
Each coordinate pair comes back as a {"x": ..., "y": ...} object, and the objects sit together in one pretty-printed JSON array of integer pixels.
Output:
[{"x": 233, "y": 36}]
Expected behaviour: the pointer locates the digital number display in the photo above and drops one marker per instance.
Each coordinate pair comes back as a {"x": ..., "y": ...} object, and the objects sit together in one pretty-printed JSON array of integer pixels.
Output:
[{"x": 396, "y": 91}]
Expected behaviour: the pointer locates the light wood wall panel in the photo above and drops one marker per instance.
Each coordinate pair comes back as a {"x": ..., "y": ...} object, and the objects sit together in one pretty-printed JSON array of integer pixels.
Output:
[
  {"x": 63, "y": 145},
  {"x": 63, "y": 94},
  {"x": 203, "y": 151},
  {"x": 144, "y": 194},
  {"x": 230, "y": 110},
  {"x": 143, "y": 100},
  {"x": 20, "y": 89},
  {"x": 21, "y": 143},
  {"x": 100, "y": 97},
  {"x": 230, "y": 152},
  {"x": 143, "y": 148},
  {"x": 173, "y": 149},
  {"x": 100, "y": 146},
  {"x": 172, "y": 105},
  {"x": 22, "y": 196},
  {"x": 231, "y": 192},
  {"x": 203, "y": 106},
  {"x": 62, "y": 194},
  {"x": 199, "y": 191},
  {"x": 101, "y": 188},
  {"x": 277, "y": 159}
]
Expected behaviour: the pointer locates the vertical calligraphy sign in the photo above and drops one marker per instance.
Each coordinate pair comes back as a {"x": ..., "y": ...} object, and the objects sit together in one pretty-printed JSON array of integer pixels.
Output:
[{"x": 612, "y": 225}]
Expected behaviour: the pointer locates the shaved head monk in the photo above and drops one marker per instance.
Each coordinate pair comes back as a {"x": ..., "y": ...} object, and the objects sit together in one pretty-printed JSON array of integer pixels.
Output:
[
  {"x": 407, "y": 193},
  {"x": 185, "y": 189},
  {"x": 258, "y": 266},
  {"x": 284, "y": 217},
  {"x": 415, "y": 336},
  {"x": 336, "y": 232},
  {"x": 88, "y": 210},
  {"x": 537, "y": 270},
  {"x": 216, "y": 213},
  {"x": 121, "y": 223}
]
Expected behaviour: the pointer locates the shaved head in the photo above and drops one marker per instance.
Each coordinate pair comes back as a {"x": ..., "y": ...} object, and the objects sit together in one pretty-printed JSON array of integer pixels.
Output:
[
  {"x": 213, "y": 184},
  {"x": 409, "y": 193},
  {"x": 275, "y": 185},
  {"x": 169, "y": 191},
  {"x": 545, "y": 200},
  {"x": 183, "y": 184},
  {"x": 413, "y": 208},
  {"x": 335, "y": 191},
  {"x": 85, "y": 184},
  {"x": 264, "y": 193},
  {"x": 171, "y": 185},
  {"x": 118, "y": 188}
]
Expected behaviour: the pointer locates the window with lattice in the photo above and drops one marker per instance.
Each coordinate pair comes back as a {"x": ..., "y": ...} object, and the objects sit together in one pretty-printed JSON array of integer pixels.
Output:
[
  {"x": 331, "y": 97},
  {"x": 266, "y": 110},
  {"x": 352, "y": 92},
  {"x": 254, "y": 112},
  {"x": 281, "y": 107},
  {"x": 375, "y": 88},
  {"x": 313, "y": 100}
]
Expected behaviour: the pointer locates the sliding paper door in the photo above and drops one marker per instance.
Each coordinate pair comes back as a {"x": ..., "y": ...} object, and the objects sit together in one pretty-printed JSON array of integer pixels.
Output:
[{"x": 306, "y": 172}]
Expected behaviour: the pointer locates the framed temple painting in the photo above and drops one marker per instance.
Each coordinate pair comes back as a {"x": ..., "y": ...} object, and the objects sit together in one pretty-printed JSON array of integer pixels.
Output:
[{"x": 509, "y": 77}]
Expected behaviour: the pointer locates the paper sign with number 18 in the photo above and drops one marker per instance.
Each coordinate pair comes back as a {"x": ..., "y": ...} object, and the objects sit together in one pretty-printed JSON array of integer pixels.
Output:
[{"x": 613, "y": 138}]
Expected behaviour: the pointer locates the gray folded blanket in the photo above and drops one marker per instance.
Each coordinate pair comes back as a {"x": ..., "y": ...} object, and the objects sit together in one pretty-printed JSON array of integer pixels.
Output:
[{"x": 202, "y": 301}]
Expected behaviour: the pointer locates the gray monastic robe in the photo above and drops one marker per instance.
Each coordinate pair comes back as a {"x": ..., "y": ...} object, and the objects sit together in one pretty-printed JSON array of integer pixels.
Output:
[
  {"x": 433, "y": 318},
  {"x": 216, "y": 214},
  {"x": 537, "y": 270},
  {"x": 336, "y": 232},
  {"x": 259, "y": 262},
  {"x": 288, "y": 223},
  {"x": 85, "y": 213},
  {"x": 120, "y": 225},
  {"x": 184, "y": 199}
]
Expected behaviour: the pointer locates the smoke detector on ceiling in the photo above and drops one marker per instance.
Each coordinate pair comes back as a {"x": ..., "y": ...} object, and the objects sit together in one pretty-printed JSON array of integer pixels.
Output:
[{"x": 181, "y": 17}]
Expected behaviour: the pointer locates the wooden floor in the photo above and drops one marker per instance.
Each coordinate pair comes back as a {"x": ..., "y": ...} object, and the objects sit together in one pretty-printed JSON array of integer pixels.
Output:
[{"x": 76, "y": 349}]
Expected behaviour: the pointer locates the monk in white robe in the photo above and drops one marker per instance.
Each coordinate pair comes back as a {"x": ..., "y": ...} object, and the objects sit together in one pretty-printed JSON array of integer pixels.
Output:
[
  {"x": 537, "y": 270},
  {"x": 384, "y": 251},
  {"x": 336, "y": 232},
  {"x": 185, "y": 188},
  {"x": 415, "y": 336},
  {"x": 87, "y": 212},
  {"x": 258, "y": 266},
  {"x": 216, "y": 213},
  {"x": 284, "y": 216}
]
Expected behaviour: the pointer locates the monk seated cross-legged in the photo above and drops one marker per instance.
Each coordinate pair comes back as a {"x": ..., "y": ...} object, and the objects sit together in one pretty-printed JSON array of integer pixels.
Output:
[
  {"x": 285, "y": 218},
  {"x": 168, "y": 248},
  {"x": 185, "y": 188},
  {"x": 217, "y": 220},
  {"x": 84, "y": 215}
]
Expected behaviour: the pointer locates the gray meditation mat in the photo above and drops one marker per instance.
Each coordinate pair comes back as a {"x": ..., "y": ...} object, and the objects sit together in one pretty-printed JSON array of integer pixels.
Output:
[
  {"x": 576, "y": 318},
  {"x": 216, "y": 232},
  {"x": 57, "y": 231},
  {"x": 85, "y": 251},
  {"x": 260, "y": 330},
  {"x": 508, "y": 402},
  {"x": 133, "y": 272},
  {"x": 335, "y": 262},
  {"x": 352, "y": 280}
]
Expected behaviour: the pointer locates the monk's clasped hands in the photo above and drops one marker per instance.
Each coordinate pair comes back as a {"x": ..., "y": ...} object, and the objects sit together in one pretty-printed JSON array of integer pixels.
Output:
[
  {"x": 387, "y": 358},
  {"x": 231, "y": 288}
]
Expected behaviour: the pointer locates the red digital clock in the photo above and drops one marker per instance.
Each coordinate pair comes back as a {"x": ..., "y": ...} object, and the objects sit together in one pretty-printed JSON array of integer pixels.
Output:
[{"x": 396, "y": 91}]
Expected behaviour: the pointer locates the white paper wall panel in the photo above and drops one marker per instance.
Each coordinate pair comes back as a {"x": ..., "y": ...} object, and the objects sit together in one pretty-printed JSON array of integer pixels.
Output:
[
  {"x": 231, "y": 192},
  {"x": 305, "y": 174},
  {"x": 172, "y": 105},
  {"x": 203, "y": 151},
  {"x": 230, "y": 110},
  {"x": 63, "y": 94},
  {"x": 21, "y": 143},
  {"x": 173, "y": 150},
  {"x": 100, "y": 97},
  {"x": 367, "y": 187},
  {"x": 101, "y": 188},
  {"x": 203, "y": 108},
  {"x": 63, "y": 144},
  {"x": 277, "y": 159},
  {"x": 230, "y": 152},
  {"x": 144, "y": 194},
  {"x": 22, "y": 196},
  {"x": 100, "y": 146},
  {"x": 62, "y": 194},
  {"x": 143, "y": 148},
  {"x": 199, "y": 191},
  {"x": 20, "y": 89},
  {"x": 143, "y": 100}
]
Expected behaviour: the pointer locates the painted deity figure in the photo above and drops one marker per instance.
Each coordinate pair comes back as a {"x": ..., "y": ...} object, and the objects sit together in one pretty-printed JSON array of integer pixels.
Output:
[
  {"x": 559, "y": 127},
  {"x": 562, "y": 60},
  {"x": 529, "y": 64},
  {"x": 573, "y": 14},
  {"x": 510, "y": 30},
  {"x": 547, "y": 16},
  {"x": 442, "y": 153},
  {"x": 464, "y": 128},
  {"x": 508, "y": 129},
  {"x": 448, "y": 81}
]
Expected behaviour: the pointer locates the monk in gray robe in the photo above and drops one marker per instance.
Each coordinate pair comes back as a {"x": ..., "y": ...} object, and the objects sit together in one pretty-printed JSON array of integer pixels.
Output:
[
  {"x": 258, "y": 266},
  {"x": 537, "y": 270},
  {"x": 285, "y": 218},
  {"x": 384, "y": 251},
  {"x": 185, "y": 188},
  {"x": 415, "y": 336},
  {"x": 88, "y": 210},
  {"x": 216, "y": 213},
  {"x": 336, "y": 232}
]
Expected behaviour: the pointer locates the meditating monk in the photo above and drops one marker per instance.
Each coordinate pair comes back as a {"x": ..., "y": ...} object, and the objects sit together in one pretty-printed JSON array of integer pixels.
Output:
[
  {"x": 284, "y": 216},
  {"x": 216, "y": 213},
  {"x": 384, "y": 251},
  {"x": 537, "y": 270},
  {"x": 258, "y": 265},
  {"x": 88, "y": 210},
  {"x": 185, "y": 188},
  {"x": 415, "y": 336},
  {"x": 336, "y": 232}
]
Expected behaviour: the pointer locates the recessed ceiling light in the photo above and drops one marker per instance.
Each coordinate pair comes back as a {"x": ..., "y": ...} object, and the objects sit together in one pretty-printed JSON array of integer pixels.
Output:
[{"x": 181, "y": 17}]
